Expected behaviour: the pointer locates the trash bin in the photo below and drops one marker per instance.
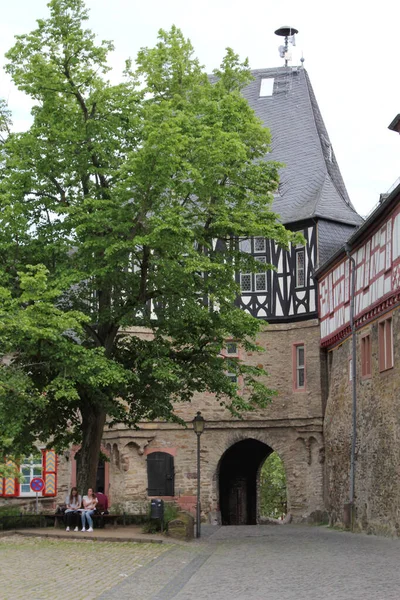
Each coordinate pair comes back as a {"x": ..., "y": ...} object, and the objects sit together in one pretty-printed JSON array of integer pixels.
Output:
[{"x": 157, "y": 511}]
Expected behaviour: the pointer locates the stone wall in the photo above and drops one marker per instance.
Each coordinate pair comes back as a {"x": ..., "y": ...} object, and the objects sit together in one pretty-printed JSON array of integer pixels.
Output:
[
  {"x": 377, "y": 482},
  {"x": 291, "y": 425}
]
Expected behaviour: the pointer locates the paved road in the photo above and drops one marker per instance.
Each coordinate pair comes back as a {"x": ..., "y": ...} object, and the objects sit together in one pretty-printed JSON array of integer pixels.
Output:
[
  {"x": 230, "y": 563},
  {"x": 271, "y": 563}
]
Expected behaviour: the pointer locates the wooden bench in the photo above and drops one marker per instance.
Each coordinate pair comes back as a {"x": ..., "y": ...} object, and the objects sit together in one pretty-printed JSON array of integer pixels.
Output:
[{"x": 98, "y": 519}]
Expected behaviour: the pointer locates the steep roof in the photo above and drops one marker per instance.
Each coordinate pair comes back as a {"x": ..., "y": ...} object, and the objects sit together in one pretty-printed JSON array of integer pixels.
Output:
[{"x": 311, "y": 185}]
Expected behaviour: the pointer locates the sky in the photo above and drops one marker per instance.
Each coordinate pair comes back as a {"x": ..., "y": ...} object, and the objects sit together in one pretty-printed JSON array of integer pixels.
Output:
[{"x": 351, "y": 52}]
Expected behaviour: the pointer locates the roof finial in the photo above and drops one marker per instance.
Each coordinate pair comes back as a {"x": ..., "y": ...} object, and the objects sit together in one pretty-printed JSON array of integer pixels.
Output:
[{"x": 289, "y": 34}]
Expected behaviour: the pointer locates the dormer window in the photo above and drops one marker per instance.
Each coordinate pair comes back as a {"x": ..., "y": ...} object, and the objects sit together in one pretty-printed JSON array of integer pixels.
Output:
[{"x": 266, "y": 86}]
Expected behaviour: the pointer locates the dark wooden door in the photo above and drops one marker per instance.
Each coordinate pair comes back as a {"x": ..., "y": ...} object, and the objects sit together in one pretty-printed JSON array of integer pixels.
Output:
[
  {"x": 238, "y": 502},
  {"x": 160, "y": 474}
]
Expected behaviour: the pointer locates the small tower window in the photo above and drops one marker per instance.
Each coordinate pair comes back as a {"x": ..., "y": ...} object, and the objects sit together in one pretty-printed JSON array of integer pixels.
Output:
[
  {"x": 300, "y": 268},
  {"x": 261, "y": 278},
  {"x": 266, "y": 86},
  {"x": 259, "y": 244}
]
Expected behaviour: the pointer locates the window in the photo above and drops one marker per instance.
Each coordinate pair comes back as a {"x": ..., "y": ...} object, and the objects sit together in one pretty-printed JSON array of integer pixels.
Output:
[
  {"x": 266, "y": 86},
  {"x": 300, "y": 268},
  {"x": 43, "y": 464},
  {"x": 299, "y": 367},
  {"x": 160, "y": 474},
  {"x": 385, "y": 344},
  {"x": 245, "y": 245},
  {"x": 231, "y": 348},
  {"x": 232, "y": 377},
  {"x": 260, "y": 278},
  {"x": 31, "y": 467},
  {"x": 245, "y": 282},
  {"x": 231, "y": 370},
  {"x": 388, "y": 261},
  {"x": 396, "y": 237},
  {"x": 366, "y": 356},
  {"x": 259, "y": 244}
]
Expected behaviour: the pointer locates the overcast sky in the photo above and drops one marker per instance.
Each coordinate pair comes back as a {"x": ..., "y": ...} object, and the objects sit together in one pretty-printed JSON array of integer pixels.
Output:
[{"x": 351, "y": 54}]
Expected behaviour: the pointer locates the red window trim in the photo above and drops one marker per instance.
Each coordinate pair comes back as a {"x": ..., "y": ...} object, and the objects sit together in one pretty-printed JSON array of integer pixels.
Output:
[
  {"x": 385, "y": 343},
  {"x": 366, "y": 356},
  {"x": 295, "y": 388}
]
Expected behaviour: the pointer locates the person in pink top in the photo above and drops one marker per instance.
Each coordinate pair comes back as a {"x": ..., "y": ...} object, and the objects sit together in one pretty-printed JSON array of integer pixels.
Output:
[{"x": 89, "y": 503}]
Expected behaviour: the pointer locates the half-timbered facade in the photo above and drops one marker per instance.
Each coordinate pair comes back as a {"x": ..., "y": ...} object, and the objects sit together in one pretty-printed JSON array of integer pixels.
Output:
[{"x": 374, "y": 253}]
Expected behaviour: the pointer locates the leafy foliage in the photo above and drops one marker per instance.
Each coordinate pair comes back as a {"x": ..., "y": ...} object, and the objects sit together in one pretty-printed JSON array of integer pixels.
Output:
[
  {"x": 116, "y": 299},
  {"x": 273, "y": 487}
]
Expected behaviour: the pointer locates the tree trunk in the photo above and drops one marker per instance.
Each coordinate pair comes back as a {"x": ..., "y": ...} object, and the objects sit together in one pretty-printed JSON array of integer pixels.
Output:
[{"x": 93, "y": 421}]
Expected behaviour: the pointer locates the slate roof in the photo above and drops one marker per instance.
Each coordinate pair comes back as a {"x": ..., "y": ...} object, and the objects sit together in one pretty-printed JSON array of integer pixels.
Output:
[{"x": 311, "y": 185}]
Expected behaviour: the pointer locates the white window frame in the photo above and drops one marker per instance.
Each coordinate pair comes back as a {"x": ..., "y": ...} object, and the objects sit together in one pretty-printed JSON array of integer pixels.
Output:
[
  {"x": 261, "y": 259},
  {"x": 264, "y": 248},
  {"x": 266, "y": 87},
  {"x": 251, "y": 283},
  {"x": 300, "y": 367},
  {"x": 27, "y": 463},
  {"x": 232, "y": 376},
  {"x": 231, "y": 345},
  {"x": 303, "y": 270}
]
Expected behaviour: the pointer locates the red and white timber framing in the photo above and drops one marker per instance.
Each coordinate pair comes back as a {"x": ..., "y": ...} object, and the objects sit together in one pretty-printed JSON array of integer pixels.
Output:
[{"x": 377, "y": 259}]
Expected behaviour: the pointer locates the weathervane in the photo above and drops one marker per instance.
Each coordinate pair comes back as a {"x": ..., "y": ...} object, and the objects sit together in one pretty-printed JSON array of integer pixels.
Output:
[{"x": 289, "y": 34}]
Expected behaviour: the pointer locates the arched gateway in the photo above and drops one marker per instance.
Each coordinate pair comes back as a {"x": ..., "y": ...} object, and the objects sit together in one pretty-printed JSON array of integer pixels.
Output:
[{"x": 238, "y": 472}]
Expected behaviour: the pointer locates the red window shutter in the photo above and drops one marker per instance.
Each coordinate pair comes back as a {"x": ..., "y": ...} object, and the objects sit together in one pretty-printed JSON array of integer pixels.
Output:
[
  {"x": 49, "y": 473},
  {"x": 10, "y": 487},
  {"x": 381, "y": 346}
]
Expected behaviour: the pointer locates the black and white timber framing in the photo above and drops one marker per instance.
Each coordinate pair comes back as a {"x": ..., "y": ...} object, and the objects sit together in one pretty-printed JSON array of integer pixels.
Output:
[{"x": 289, "y": 292}]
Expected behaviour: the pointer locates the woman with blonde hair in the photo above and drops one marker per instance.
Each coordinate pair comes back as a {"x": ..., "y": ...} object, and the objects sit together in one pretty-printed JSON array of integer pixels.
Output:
[{"x": 89, "y": 506}]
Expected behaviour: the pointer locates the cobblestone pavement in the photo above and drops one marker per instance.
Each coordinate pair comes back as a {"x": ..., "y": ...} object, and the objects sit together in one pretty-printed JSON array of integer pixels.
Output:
[
  {"x": 271, "y": 563},
  {"x": 230, "y": 563},
  {"x": 41, "y": 569}
]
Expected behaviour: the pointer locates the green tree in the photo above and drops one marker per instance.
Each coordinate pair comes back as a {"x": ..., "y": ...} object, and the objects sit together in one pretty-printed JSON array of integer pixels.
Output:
[
  {"x": 116, "y": 196},
  {"x": 273, "y": 500}
]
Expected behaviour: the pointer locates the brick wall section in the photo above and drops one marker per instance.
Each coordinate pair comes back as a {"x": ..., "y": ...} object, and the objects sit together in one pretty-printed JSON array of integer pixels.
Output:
[
  {"x": 291, "y": 425},
  {"x": 377, "y": 484}
]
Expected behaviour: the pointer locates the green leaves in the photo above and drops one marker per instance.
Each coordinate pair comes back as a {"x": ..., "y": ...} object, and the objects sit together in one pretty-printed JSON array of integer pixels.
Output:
[{"x": 120, "y": 213}]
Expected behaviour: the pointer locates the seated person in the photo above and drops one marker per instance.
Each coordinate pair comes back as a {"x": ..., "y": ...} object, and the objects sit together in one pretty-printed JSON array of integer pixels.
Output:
[
  {"x": 89, "y": 506},
  {"x": 73, "y": 503},
  {"x": 102, "y": 503}
]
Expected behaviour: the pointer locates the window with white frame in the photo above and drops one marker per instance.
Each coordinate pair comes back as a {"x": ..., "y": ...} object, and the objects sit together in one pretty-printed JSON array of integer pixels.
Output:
[
  {"x": 266, "y": 86},
  {"x": 260, "y": 279},
  {"x": 300, "y": 268},
  {"x": 259, "y": 244},
  {"x": 231, "y": 371},
  {"x": 300, "y": 380},
  {"x": 245, "y": 282},
  {"x": 30, "y": 467},
  {"x": 231, "y": 348},
  {"x": 396, "y": 237},
  {"x": 245, "y": 245}
]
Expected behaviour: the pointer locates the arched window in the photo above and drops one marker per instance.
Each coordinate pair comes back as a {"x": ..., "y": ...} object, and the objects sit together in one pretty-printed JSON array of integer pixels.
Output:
[{"x": 160, "y": 474}]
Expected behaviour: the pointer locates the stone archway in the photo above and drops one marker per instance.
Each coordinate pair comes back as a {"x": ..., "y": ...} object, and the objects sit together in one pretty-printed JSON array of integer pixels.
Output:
[{"x": 238, "y": 471}]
